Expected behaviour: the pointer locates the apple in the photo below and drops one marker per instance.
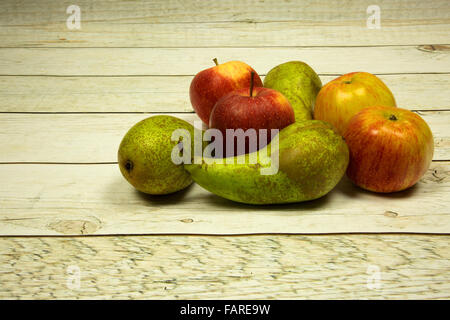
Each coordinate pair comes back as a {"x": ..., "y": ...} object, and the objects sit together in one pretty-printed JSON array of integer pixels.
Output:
[
  {"x": 251, "y": 108},
  {"x": 211, "y": 84},
  {"x": 390, "y": 148},
  {"x": 340, "y": 99}
]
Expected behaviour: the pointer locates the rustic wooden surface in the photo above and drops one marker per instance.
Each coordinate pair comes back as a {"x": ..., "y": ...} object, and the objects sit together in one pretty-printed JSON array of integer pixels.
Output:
[
  {"x": 251, "y": 23},
  {"x": 44, "y": 137},
  {"x": 42, "y": 94},
  {"x": 68, "y": 96},
  {"x": 241, "y": 267},
  {"x": 188, "y": 61},
  {"x": 43, "y": 199}
]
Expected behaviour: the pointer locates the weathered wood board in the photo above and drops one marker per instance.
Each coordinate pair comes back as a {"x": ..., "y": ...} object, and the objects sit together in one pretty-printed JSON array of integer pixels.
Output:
[
  {"x": 241, "y": 267},
  {"x": 42, "y": 199},
  {"x": 232, "y": 23},
  {"x": 93, "y": 138},
  {"x": 189, "y": 61},
  {"x": 68, "y": 96},
  {"x": 171, "y": 94}
]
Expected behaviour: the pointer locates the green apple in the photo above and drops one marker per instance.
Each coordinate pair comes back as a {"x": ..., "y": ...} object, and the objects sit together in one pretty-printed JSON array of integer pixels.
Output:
[{"x": 299, "y": 83}]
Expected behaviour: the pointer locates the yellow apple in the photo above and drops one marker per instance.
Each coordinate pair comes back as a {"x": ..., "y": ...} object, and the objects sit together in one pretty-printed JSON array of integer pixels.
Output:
[{"x": 340, "y": 99}]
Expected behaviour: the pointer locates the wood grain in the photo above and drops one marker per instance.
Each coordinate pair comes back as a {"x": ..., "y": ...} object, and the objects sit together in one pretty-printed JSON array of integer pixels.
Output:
[
  {"x": 171, "y": 94},
  {"x": 189, "y": 61},
  {"x": 132, "y": 56},
  {"x": 192, "y": 11},
  {"x": 255, "y": 267},
  {"x": 40, "y": 199},
  {"x": 88, "y": 138},
  {"x": 222, "y": 23}
]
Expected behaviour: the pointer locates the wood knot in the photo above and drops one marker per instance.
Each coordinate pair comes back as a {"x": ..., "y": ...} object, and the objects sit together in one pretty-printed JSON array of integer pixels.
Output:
[
  {"x": 187, "y": 220},
  {"x": 74, "y": 226},
  {"x": 391, "y": 214},
  {"x": 437, "y": 175},
  {"x": 434, "y": 48}
]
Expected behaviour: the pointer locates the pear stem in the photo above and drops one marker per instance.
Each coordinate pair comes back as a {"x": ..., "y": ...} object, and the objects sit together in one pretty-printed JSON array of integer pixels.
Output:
[
  {"x": 393, "y": 117},
  {"x": 215, "y": 61},
  {"x": 251, "y": 83}
]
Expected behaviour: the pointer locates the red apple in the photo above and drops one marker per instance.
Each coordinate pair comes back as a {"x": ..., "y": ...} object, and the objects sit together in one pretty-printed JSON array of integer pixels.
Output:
[
  {"x": 209, "y": 85},
  {"x": 390, "y": 148},
  {"x": 340, "y": 99},
  {"x": 252, "y": 108}
]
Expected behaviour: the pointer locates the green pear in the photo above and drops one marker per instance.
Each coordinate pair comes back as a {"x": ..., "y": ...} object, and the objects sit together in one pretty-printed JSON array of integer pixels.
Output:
[
  {"x": 312, "y": 158},
  {"x": 299, "y": 83},
  {"x": 145, "y": 155}
]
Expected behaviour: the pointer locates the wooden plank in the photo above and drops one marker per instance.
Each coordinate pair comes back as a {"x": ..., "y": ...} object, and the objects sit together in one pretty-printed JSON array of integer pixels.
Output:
[
  {"x": 171, "y": 94},
  {"x": 88, "y": 138},
  {"x": 224, "y": 23},
  {"x": 192, "y": 267},
  {"x": 44, "y": 199},
  {"x": 64, "y": 136},
  {"x": 189, "y": 61},
  {"x": 172, "y": 11},
  {"x": 227, "y": 34}
]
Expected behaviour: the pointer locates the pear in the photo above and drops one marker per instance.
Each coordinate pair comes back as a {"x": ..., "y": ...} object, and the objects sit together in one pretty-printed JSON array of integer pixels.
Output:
[
  {"x": 145, "y": 156},
  {"x": 299, "y": 83},
  {"x": 312, "y": 159}
]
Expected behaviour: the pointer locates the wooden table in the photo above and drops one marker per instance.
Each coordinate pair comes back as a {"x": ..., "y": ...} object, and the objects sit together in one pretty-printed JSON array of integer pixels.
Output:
[{"x": 72, "y": 227}]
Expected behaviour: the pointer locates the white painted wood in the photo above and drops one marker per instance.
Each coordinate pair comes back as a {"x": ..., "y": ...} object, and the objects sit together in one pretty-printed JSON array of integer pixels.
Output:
[
  {"x": 227, "y": 34},
  {"x": 171, "y": 94},
  {"x": 62, "y": 199},
  {"x": 87, "y": 138},
  {"x": 189, "y": 61},
  {"x": 251, "y": 23},
  {"x": 43, "y": 199},
  {"x": 240, "y": 267},
  {"x": 193, "y": 11}
]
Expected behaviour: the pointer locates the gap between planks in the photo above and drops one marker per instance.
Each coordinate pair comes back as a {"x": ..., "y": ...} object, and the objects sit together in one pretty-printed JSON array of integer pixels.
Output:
[
  {"x": 240, "y": 47},
  {"x": 193, "y": 74},
  {"x": 99, "y": 163},
  {"x": 206, "y": 235},
  {"x": 146, "y": 113}
]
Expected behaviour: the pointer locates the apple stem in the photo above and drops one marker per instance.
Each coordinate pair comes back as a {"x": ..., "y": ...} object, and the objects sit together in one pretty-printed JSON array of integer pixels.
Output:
[
  {"x": 251, "y": 83},
  {"x": 393, "y": 117},
  {"x": 215, "y": 61}
]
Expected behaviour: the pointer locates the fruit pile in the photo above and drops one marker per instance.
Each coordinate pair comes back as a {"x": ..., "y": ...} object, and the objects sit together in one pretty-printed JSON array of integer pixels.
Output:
[{"x": 287, "y": 140}]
